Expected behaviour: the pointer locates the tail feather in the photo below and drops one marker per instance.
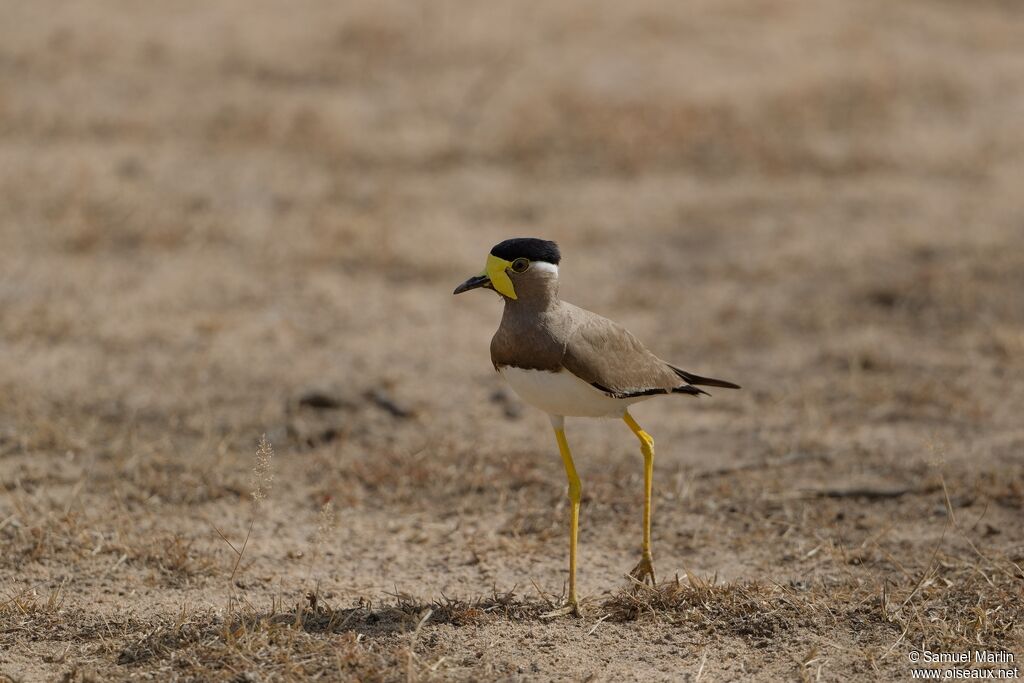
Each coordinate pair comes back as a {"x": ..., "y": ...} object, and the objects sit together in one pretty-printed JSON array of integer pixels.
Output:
[{"x": 704, "y": 381}]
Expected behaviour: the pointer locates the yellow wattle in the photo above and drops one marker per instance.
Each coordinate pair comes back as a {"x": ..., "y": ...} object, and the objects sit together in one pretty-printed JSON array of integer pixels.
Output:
[{"x": 496, "y": 271}]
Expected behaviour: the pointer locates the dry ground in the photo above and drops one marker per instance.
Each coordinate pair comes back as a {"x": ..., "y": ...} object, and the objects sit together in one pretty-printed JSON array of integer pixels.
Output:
[{"x": 224, "y": 219}]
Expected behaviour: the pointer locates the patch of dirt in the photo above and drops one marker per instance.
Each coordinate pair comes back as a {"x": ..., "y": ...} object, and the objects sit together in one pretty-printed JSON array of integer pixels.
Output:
[{"x": 225, "y": 220}]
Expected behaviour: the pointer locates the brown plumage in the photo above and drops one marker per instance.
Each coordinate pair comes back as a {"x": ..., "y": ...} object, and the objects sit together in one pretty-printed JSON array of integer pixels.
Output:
[{"x": 539, "y": 331}]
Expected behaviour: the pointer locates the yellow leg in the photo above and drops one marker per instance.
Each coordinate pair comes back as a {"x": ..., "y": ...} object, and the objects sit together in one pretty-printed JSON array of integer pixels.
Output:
[
  {"x": 645, "y": 568},
  {"x": 575, "y": 493}
]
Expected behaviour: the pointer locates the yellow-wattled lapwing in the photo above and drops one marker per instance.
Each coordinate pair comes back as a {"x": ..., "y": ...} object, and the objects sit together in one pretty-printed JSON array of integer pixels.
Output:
[{"x": 570, "y": 362}]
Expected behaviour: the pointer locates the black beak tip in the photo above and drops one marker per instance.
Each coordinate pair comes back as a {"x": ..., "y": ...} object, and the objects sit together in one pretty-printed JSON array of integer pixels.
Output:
[{"x": 472, "y": 283}]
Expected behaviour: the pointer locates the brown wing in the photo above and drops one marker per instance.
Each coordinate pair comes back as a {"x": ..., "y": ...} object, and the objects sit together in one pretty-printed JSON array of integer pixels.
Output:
[{"x": 608, "y": 356}]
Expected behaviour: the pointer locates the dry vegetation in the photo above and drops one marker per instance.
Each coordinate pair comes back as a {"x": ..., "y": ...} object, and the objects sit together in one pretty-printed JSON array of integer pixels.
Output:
[{"x": 227, "y": 219}]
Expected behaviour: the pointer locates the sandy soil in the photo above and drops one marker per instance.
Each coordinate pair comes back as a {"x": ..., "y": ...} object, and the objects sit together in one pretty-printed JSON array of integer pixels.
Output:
[{"x": 227, "y": 219}]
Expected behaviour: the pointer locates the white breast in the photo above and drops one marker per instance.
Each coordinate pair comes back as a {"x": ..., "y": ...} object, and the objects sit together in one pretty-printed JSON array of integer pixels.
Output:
[{"x": 563, "y": 393}]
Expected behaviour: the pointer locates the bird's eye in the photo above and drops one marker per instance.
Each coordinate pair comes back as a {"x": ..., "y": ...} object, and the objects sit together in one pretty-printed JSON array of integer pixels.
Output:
[{"x": 520, "y": 265}]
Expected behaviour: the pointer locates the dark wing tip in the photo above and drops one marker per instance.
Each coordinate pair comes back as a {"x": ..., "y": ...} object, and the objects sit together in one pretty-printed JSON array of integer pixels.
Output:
[
  {"x": 690, "y": 389},
  {"x": 704, "y": 381},
  {"x": 629, "y": 394},
  {"x": 685, "y": 389}
]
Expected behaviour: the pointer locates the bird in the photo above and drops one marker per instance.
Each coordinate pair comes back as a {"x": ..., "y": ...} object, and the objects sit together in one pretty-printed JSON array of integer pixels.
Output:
[{"x": 570, "y": 362}]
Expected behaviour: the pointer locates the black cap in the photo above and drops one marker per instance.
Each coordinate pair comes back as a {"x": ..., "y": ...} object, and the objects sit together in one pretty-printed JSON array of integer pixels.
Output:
[{"x": 528, "y": 247}]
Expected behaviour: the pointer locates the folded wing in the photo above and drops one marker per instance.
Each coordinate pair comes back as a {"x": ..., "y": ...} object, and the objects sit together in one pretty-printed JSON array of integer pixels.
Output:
[{"x": 612, "y": 359}]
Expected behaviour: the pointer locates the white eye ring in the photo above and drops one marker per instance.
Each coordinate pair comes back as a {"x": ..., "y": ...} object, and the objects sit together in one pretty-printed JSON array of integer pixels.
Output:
[{"x": 520, "y": 265}]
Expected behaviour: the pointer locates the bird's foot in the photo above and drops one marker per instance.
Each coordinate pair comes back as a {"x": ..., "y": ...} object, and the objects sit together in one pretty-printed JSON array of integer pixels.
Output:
[
  {"x": 644, "y": 571},
  {"x": 570, "y": 608}
]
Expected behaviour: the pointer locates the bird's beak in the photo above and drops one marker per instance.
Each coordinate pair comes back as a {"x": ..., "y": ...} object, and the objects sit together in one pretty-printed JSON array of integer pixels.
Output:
[
  {"x": 495, "y": 276},
  {"x": 473, "y": 283}
]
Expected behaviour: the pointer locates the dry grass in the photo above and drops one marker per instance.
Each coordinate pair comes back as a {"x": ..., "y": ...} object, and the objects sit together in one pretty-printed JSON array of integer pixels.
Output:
[{"x": 221, "y": 220}]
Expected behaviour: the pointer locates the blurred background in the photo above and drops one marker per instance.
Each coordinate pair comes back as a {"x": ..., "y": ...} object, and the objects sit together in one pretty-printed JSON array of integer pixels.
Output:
[
  {"x": 206, "y": 197},
  {"x": 223, "y": 219}
]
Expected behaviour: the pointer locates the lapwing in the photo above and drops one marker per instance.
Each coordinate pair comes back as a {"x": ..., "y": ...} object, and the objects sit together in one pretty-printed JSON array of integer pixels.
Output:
[{"x": 570, "y": 362}]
